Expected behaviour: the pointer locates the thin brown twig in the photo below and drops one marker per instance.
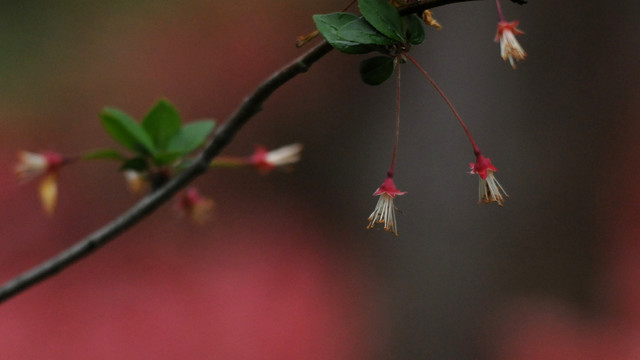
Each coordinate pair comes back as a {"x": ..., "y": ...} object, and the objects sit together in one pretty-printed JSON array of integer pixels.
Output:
[{"x": 247, "y": 109}]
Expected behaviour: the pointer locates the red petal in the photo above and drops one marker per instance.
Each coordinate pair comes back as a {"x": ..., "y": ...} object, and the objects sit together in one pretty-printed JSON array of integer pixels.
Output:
[
  {"x": 482, "y": 165},
  {"x": 388, "y": 187}
]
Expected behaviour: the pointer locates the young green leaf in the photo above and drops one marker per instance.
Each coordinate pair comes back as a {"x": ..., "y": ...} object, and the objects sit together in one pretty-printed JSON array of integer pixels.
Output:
[
  {"x": 107, "y": 154},
  {"x": 376, "y": 70},
  {"x": 167, "y": 158},
  {"x": 137, "y": 164},
  {"x": 360, "y": 31},
  {"x": 384, "y": 17},
  {"x": 349, "y": 47},
  {"x": 329, "y": 24},
  {"x": 415, "y": 30},
  {"x": 162, "y": 122},
  {"x": 127, "y": 131},
  {"x": 190, "y": 137}
]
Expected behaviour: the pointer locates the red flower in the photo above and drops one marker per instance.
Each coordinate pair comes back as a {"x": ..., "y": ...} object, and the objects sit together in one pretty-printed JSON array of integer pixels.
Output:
[
  {"x": 489, "y": 189},
  {"x": 385, "y": 213},
  {"x": 196, "y": 206},
  {"x": 32, "y": 165},
  {"x": 136, "y": 181},
  {"x": 268, "y": 160},
  {"x": 509, "y": 47}
]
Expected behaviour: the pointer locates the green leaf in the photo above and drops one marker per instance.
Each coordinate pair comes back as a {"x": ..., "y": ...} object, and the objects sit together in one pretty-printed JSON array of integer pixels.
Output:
[
  {"x": 329, "y": 24},
  {"x": 376, "y": 70},
  {"x": 167, "y": 158},
  {"x": 107, "y": 154},
  {"x": 384, "y": 17},
  {"x": 415, "y": 30},
  {"x": 190, "y": 137},
  {"x": 349, "y": 47},
  {"x": 360, "y": 31},
  {"x": 127, "y": 131},
  {"x": 138, "y": 164},
  {"x": 162, "y": 122}
]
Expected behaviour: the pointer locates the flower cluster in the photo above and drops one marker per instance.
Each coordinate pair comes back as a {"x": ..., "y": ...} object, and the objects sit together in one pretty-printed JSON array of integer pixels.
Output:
[
  {"x": 191, "y": 202},
  {"x": 161, "y": 145},
  {"x": 489, "y": 189}
]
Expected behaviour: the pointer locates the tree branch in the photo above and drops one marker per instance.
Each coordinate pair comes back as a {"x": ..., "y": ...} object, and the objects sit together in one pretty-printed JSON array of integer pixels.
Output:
[
  {"x": 420, "y": 6},
  {"x": 249, "y": 107}
]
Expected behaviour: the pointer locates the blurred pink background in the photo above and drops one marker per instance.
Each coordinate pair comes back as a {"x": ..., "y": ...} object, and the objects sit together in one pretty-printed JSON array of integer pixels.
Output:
[{"x": 286, "y": 269}]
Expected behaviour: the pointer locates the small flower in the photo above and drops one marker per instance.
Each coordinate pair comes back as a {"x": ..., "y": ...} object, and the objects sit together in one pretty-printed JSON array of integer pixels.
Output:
[
  {"x": 135, "y": 180},
  {"x": 266, "y": 161},
  {"x": 196, "y": 206},
  {"x": 509, "y": 47},
  {"x": 32, "y": 165},
  {"x": 48, "y": 191},
  {"x": 385, "y": 213},
  {"x": 489, "y": 189},
  {"x": 427, "y": 17}
]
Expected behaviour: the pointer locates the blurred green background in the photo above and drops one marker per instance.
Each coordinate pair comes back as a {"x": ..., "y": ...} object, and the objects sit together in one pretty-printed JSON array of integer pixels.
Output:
[{"x": 286, "y": 269}]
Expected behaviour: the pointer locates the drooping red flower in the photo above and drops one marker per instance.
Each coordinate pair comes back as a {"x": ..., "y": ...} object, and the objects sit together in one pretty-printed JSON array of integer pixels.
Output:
[
  {"x": 196, "y": 206},
  {"x": 510, "y": 48},
  {"x": 385, "y": 211},
  {"x": 31, "y": 165},
  {"x": 489, "y": 189}
]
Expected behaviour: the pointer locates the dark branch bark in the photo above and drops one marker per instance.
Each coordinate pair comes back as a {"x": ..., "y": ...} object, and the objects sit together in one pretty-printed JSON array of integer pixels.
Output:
[
  {"x": 421, "y": 5},
  {"x": 249, "y": 107}
]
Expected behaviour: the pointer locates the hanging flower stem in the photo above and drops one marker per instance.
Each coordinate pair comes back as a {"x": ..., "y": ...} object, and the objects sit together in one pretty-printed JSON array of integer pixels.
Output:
[
  {"x": 500, "y": 16},
  {"x": 397, "y": 137},
  {"x": 476, "y": 149}
]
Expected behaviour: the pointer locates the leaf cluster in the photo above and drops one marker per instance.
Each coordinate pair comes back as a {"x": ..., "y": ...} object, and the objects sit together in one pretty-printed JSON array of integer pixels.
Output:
[
  {"x": 159, "y": 140},
  {"x": 379, "y": 29}
]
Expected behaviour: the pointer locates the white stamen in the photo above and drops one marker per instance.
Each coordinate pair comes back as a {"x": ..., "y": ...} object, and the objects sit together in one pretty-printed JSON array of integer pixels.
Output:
[{"x": 384, "y": 213}]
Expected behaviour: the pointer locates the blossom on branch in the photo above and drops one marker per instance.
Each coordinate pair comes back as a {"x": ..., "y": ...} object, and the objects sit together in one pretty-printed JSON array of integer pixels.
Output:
[
  {"x": 385, "y": 211},
  {"x": 489, "y": 189},
  {"x": 197, "y": 207},
  {"x": 283, "y": 157},
  {"x": 31, "y": 165},
  {"x": 136, "y": 181},
  {"x": 510, "y": 49},
  {"x": 48, "y": 191}
]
